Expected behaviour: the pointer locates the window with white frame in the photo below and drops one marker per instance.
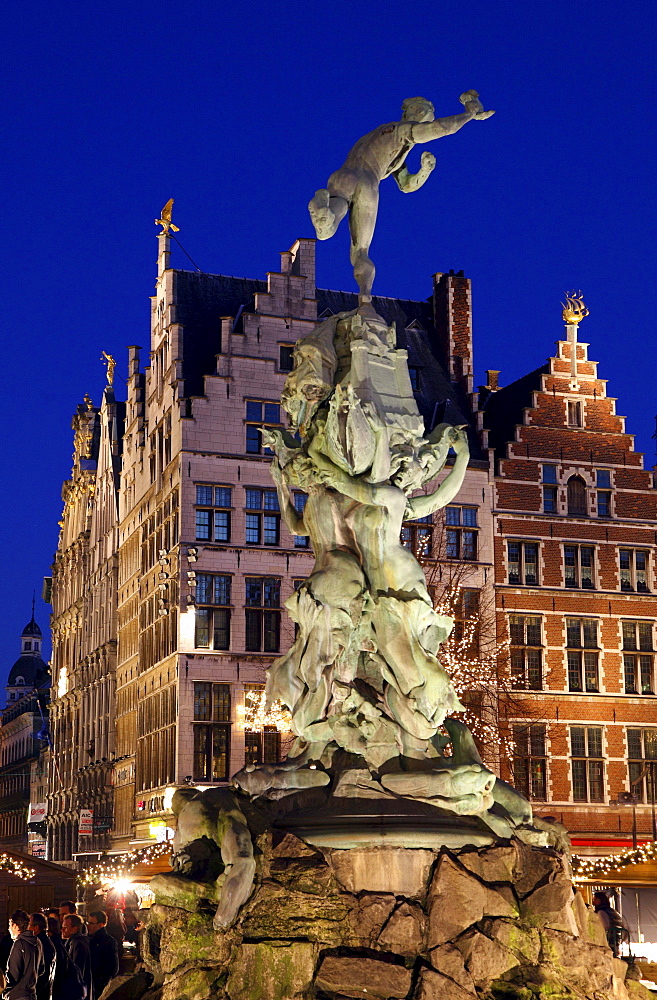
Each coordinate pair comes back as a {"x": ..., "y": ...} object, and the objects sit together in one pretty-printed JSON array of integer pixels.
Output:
[
  {"x": 642, "y": 763},
  {"x": 587, "y": 763},
  {"x": 530, "y": 761},
  {"x": 212, "y": 511},
  {"x": 633, "y": 564},
  {"x": 582, "y": 652},
  {"x": 550, "y": 481},
  {"x": 578, "y": 566},
  {"x": 575, "y": 413},
  {"x": 526, "y": 652},
  {"x": 522, "y": 560},
  {"x": 603, "y": 492},
  {"x": 638, "y": 657}
]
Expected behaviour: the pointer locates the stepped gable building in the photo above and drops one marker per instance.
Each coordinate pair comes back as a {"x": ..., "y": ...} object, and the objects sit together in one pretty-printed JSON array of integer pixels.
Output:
[
  {"x": 84, "y": 629},
  {"x": 205, "y": 564},
  {"x": 24, "y": 726},
  {"x": 575, "y": 534}
]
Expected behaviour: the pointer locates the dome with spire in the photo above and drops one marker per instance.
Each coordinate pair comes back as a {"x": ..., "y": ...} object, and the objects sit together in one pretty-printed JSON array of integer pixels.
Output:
[
  {"x": 29, "y": 671},
  {"x": 31, "y": 629}
]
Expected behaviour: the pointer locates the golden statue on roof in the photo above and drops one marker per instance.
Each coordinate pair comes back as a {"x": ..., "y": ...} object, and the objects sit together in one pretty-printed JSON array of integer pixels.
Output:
[
  {"x": 574, "y": 310},
  {"x": 111, "y": 365},
  {"x": 166, "y": 220}
]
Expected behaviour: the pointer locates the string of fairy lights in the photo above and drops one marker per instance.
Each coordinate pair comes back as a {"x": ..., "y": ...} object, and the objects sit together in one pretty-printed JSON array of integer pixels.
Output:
[
  {"x": 590, "y": 868},
  {"x": 17, "y": 868},
  {"x": 121, "y": 866}
]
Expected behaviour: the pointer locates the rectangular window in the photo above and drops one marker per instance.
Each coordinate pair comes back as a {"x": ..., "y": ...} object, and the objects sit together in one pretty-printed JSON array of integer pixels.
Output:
[
  {"x": 211, "y": 726},
  {"x": 642, "y": 763},
  {"x": 578, "y": 565},
  {"x": 414, "y": 375},
  {"x": 550, "y": 474},
  {"x": 262, "y": 520},
  {"x": 213, "y": 507},
  {"x": 582, "y": 654},
  {"x": 575, "y": 413},
  {"x": 550, "y": 499},
  {"x": 638, "y": 659},
  {"x": 300, "y": 500},
  {"x": 416, "y": 535},
  {"x": 633, "y": 570},
  {"x": 604, "y": 503},
  {"x": 530, "y": 761},
  {"x": 212, "y": 624},
  {"x": 523, "y": 562},
  {"x": 260, "y": 414},
  {"x": 286, "y": 357},
  {"x": 603, "y": 479},
  {"x": 526, "y": 652},
  {"x": 587, "y": 763},
  {"x": 263, "y": 616},
  {"x": 263, "y": 746},
  {"x": 461, "y": 541}
]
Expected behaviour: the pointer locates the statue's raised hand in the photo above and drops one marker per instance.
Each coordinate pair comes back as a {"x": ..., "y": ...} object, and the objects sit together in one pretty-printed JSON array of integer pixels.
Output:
[{"x": 472, "y": 104}]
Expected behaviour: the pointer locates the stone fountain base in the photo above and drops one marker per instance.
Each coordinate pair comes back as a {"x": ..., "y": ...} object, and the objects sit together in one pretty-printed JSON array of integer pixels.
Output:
[{"x": 495, "y": 923}]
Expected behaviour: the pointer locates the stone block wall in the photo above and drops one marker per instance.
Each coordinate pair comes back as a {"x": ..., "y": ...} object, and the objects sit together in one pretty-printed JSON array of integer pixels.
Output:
[{"x": 498, "y": 923}]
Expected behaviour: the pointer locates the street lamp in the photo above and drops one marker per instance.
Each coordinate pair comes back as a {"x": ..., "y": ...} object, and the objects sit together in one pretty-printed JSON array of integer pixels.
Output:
[{"x": 630, "y": 799}]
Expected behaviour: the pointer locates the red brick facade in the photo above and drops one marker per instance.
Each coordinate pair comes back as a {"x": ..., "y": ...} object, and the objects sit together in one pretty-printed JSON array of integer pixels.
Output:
[{"x": 575, "y": 538}]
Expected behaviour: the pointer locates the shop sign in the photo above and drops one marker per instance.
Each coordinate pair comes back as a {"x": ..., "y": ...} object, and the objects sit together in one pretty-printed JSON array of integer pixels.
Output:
[{"x": 86, "y": 824}]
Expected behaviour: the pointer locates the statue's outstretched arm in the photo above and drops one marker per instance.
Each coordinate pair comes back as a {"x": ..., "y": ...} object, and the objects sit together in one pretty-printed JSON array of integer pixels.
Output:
[
  {"x": 427, "y": 131},
  {"x": 292, "y": 518},
  {"x": 426, "y": 504}
]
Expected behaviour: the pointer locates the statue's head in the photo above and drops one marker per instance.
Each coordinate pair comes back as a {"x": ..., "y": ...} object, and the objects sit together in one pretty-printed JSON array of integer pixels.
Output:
[{"x": 417, "y": 109}]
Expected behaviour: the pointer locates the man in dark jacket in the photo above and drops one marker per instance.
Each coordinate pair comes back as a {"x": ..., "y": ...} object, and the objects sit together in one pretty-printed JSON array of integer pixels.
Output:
[
  {"x": 37, "y": 927},
  {"x": 104, "y": 951},
  {"x": 25, "y": 963},
  {"x": 77, "y": 949}
]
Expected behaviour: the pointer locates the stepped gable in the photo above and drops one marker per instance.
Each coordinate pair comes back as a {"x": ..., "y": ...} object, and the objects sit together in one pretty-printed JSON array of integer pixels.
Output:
[{"x": 202, "y": 299}]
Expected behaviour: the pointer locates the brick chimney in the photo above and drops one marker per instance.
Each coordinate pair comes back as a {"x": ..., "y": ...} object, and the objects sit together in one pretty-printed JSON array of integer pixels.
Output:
[{"x": 452, "y": 309}]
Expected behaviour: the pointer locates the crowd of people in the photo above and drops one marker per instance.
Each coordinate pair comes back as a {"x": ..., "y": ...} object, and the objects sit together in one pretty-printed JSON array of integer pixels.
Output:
[{"x": 56, "y": 955}]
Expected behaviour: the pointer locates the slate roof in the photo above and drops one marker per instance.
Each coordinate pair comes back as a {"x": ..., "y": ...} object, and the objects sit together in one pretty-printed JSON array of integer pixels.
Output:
[
  {"x": 31, "y": 629},
  {"x": 203, "y": 298},
  {"x": 503, "y": 410},
  {"x": 32, "y": 669}
]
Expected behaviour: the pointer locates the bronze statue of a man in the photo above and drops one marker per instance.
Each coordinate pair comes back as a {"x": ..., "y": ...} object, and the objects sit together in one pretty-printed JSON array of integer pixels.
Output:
[{"x": 379, "y": 154}]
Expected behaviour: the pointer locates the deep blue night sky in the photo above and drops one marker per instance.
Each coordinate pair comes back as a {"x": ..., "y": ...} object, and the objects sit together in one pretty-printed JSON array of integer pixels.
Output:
[{"x": 239, "y": 112}]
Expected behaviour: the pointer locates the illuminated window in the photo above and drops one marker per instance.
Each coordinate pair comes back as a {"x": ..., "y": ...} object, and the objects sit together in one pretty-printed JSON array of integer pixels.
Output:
[
  {"x": 638, "y": 659},
  {"x": 523, "y": 562},
  {"x": 582, "y": 654},
  {"x": 530, "y": 761},
  {"x": 526, "y": 652},
  {"x": 211, "y": 731},
  {"x": 642, "y": 763},
  {"x": 587, "y": 763}
]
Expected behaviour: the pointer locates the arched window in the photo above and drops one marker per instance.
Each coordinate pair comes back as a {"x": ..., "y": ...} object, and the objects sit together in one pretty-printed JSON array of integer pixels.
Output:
[{"x": 577, "y": 496}]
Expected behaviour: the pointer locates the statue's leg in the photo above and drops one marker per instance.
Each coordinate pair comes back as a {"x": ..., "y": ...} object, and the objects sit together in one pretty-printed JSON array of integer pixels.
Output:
[
  {"x": 362, "y": 219},
  {"x": 327, "y": 212},
  {"x": 237, "y": 855}
]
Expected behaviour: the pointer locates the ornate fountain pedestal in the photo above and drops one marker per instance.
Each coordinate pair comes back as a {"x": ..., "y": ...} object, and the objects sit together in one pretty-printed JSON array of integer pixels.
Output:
[{"x": 499, "y": 922}]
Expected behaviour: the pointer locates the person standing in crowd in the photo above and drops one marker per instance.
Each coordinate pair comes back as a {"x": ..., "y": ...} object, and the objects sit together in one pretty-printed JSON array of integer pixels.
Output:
[
  {"x": 615, "y": 927},
  {"x": 68, "y": 906},
  {"x": 65, "y": 983},
  {"x": 77, "y": 949},
  {"x": 116, "y": 925},
  {"x": 104, "y": 951},
  {"x": 37, "y": 926},
  {"x": 25, "y": 963}
]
